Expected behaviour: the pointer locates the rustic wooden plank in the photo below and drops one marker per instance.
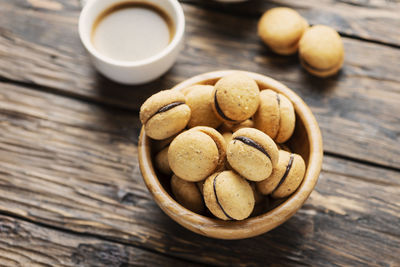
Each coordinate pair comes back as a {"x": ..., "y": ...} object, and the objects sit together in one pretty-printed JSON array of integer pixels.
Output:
[
  {"x": 73, "y": 165},
  {"x": 357, "y": 110},
  {"x": 26, "y": 244},
  {"x": 377, "y": 21}
]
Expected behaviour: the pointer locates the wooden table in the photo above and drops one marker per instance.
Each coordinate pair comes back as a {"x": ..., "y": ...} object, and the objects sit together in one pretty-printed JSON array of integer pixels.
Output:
[{"x": 71, "y": 192}]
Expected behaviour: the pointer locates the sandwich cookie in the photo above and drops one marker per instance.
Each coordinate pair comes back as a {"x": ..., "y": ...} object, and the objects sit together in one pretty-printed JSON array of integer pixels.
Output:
[
  {"x": 187, "y": 194},
  {"x": 252, "y": 153},
  {"x": 164, "y": 114},
  {"x": 281, "y": 29},
  {"x": 321, "y": 51},
  {"x": 161, "y": 162},
  {"x": 286, "y": 176},
  {"x": 219, "y": 141},
  {"x": 275, "y": 116},
  {"x": 236, "y": 98},
  {"x": 228, "y": 196},
  {"x": 195, "y": 154},
  {"x": 200, "y": 100}
]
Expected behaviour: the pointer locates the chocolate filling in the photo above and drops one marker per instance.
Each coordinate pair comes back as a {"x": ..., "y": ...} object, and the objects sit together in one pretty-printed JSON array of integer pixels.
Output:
[
  {"x": 169, "y": 106},
  {"x": 288, "y": 167},
  {"x": 218, "y": 108},
  {"x": 216, "y": 198},
  {"x": 251, "y": 143},
  {"x": 166, "y": 108}
]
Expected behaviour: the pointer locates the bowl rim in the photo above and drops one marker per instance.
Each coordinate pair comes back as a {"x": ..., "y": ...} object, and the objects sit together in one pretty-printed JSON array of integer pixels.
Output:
[{"x": 252, "y": 226}]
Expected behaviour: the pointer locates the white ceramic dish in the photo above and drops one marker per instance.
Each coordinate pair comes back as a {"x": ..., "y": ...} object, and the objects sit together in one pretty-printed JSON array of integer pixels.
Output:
[{"x": 135, "y": 72}]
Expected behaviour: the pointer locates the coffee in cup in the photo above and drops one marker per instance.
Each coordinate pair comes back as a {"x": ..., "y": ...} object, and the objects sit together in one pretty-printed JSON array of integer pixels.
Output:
[
  {"x": 132, "y": 31},
  {"x": 132, "y": 41}
]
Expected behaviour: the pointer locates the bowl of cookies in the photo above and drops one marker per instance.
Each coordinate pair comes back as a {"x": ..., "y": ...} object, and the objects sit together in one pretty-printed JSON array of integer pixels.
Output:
[{"x": 229, "y": 154}]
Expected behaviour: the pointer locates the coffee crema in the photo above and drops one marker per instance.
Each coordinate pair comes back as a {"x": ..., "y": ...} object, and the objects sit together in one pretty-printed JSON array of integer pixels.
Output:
[{"x": 132, "y": 31}]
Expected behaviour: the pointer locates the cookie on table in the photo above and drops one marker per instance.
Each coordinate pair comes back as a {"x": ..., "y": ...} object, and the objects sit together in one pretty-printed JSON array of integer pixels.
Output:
[
  {"x": 281, "y": 29},
  {"x": 164, "y": 114},
  {"x": 286, "y": 176},
  {"x": 187, "y": 194},
  {"x": 321, "y": 51},
  {"x": 275, "y": 116},
  {"x": 236, "y": 98},
  {"x": 161, "y": 162},
  {"x": 200, "y": 99},
  {"x": 228, "y": 196},
  {"x": 252, "y": 154},
  {"x": 196, "y": 153}
]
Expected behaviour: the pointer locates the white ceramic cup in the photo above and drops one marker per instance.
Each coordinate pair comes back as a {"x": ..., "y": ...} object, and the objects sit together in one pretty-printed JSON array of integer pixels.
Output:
[{"x": 134, "y": 72}]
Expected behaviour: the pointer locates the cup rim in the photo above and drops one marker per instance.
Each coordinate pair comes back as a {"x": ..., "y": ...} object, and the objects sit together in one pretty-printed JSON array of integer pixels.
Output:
[
  {"x": 179, "y": 32},
  {"x": 252, "y": 226}
]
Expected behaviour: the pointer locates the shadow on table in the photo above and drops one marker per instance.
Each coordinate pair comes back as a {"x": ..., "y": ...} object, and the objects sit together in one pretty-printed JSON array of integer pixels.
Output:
[{"x": 129, "y": 96}]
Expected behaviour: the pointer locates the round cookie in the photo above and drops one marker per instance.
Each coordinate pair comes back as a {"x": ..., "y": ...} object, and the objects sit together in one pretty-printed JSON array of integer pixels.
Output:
[
  {"x": 161, "y": 162},
  {"x": 236, "y": 98},
  {"x": 281, "y": 29},
  {"x": 252, "y": 153},
  {"x": 164, "y": 114},
  {"x": 187, "y": 194},
  {"x": 200, "y": 99},
  {"x": 286, "y": 176},
  {"x": 275, "y": 116},
  {"x": 219, "y": 141},
  {"x": 321, "y": 51},
  {"x": 193, "y": 155},
  {"x": 228, "y": 196}
]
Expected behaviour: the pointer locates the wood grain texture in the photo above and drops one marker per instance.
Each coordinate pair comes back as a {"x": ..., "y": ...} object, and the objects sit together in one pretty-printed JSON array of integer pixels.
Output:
[
  {"x": 26, "y": 244},
  {"x": 376, "y": 21},
  {"x": 73, "y": 165},
  {"x": 357, "y": 110}
]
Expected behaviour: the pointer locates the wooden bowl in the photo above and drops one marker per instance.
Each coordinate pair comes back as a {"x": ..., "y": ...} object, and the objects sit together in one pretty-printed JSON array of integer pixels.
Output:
[{"x": 306, "y": 141}]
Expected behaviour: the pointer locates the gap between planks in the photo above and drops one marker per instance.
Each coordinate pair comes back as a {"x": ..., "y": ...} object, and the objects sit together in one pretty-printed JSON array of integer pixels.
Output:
[
  {"x": 116, "y": 107},
  {"x": 218, "y": 7},
  {"x": 360, "y": 161},
  {"x": 100, "y": 237},
  {"x": 68, "y": 94}
]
